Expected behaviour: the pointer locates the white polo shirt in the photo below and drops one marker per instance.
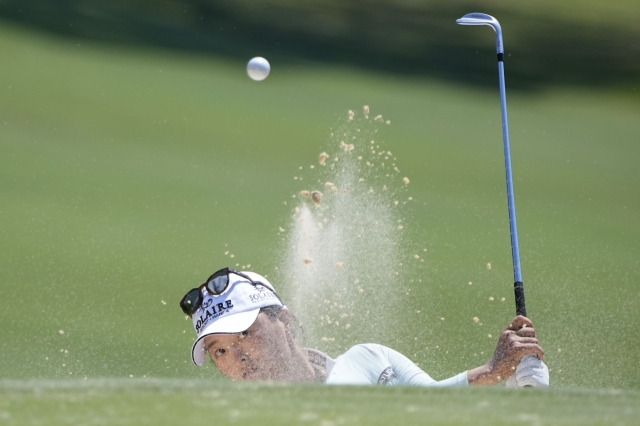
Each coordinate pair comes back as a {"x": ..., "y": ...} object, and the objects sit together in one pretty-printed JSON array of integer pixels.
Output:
[{"x": 371, "y": 363}]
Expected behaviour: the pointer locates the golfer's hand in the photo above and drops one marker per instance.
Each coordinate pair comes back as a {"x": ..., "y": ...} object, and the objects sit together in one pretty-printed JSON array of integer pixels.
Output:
[{"x": 516, "y": 341}]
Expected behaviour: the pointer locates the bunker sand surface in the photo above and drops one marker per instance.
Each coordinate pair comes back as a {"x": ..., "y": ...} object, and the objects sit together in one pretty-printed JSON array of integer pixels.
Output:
[{"x": 171, "y": 402}]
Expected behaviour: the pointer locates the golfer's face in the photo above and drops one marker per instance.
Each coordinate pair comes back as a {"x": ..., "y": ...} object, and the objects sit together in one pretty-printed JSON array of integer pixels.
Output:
[{"x": 260, "y": 353}]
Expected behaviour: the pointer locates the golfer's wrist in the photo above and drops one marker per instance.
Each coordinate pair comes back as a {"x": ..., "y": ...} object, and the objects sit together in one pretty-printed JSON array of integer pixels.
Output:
[{"x": 482, "y": 376}]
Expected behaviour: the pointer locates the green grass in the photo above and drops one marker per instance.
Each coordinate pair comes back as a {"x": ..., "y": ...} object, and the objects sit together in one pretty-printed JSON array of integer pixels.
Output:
[
  {"x": 126, "y": 174},
  {"x": 170, "y": 402}
]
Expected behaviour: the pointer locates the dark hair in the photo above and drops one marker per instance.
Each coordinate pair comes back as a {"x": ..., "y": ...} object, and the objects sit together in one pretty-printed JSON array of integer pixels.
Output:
[{"x": 273, "y": 313}]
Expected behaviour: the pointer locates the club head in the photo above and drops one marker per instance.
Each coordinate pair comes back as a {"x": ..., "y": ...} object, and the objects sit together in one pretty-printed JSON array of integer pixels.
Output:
[
  {"x": 484, "y": 19},
  {"x": 478, "y": 19}
]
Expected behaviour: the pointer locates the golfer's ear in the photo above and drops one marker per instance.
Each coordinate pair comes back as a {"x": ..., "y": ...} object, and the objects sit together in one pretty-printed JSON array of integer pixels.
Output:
[
  {"x": 286, "y": 318},
  {"x": 292, "y": 326}
]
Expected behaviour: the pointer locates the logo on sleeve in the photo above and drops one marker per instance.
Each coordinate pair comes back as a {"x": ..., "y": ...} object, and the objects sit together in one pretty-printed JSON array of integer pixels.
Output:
[{"x": 386, "y": 375}]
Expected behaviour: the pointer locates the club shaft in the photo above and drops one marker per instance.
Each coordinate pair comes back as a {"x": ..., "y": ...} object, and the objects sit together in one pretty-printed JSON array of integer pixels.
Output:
[{"x": 515, "y": 251}]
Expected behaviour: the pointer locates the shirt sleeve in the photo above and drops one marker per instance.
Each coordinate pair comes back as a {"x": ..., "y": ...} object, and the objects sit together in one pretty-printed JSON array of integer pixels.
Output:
[{"x": 406, "y": 372}]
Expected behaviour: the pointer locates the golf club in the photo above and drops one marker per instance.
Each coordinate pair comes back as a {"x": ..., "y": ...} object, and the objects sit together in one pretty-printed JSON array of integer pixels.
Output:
[{"x": 484, "y": 19}]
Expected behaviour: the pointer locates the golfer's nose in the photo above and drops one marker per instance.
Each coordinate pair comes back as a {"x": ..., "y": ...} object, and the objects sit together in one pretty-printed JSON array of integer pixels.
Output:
[{"x": 241, "y": 355}]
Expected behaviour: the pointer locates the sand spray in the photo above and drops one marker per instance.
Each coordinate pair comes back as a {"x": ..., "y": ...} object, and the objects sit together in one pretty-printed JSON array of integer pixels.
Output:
[{"x": 343, "y": 252}]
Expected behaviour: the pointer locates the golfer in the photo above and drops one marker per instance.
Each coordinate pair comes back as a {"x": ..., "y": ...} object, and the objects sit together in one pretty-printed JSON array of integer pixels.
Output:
[{"x": 242, "y": 324}]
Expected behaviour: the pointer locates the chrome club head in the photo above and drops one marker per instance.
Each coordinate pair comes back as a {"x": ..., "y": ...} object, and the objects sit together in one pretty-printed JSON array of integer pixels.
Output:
[
  {"x": 484, "y": 19},
  {"x": 477, "y": 19}
]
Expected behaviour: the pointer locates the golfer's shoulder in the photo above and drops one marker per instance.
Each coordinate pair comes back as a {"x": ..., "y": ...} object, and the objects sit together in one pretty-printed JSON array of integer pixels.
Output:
[
  {"x": 361, "y": 364},
  {"x": 366, "y": 351}
]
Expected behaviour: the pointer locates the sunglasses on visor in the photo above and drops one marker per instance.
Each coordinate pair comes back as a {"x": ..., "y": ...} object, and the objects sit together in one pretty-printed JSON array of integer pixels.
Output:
[{"x": 215, "y": 285}]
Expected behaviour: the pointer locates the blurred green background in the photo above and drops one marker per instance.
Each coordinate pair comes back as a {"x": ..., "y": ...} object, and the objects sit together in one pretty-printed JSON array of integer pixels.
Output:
[{"x": 134, "y": 151}]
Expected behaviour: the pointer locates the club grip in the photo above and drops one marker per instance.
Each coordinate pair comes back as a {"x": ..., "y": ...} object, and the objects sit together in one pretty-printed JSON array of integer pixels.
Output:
[{"x": 518, "y": 289}]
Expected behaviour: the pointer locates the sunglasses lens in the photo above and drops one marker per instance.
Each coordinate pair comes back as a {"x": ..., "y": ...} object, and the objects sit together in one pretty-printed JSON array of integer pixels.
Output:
[
  {"x": 191, "y": 302},
  {"x": 218, "y": 283}
]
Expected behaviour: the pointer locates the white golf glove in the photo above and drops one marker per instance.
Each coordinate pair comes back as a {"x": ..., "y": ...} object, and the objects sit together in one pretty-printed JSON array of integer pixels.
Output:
[{"x": 530, "y": 372}]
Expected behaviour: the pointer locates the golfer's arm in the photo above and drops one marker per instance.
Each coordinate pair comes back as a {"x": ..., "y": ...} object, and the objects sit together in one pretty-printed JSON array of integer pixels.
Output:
[
  {"x": 407, "y": 373},
  {"x": 410, "y": 374}
]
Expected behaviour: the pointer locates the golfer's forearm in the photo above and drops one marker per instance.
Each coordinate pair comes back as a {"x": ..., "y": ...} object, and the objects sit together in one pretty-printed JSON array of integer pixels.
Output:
[{"x": 482, "y": 376}]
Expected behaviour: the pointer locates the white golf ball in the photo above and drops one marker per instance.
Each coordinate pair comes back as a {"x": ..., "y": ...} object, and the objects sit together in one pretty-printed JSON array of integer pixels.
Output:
[{"x": 258, "y": 68}]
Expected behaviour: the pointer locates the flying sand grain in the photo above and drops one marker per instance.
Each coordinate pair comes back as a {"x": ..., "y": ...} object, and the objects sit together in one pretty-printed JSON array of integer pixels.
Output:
[
  {"x": 322, "y": 158},
  {"x": 316, "y": 197}
]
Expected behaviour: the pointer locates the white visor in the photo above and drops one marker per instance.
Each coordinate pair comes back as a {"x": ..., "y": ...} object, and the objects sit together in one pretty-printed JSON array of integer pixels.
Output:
[{"x": 233, "y": 311}]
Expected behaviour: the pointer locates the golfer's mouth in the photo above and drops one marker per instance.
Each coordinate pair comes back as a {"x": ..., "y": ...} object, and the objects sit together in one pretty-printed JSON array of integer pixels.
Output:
[{"x": 250, "y": 373}]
